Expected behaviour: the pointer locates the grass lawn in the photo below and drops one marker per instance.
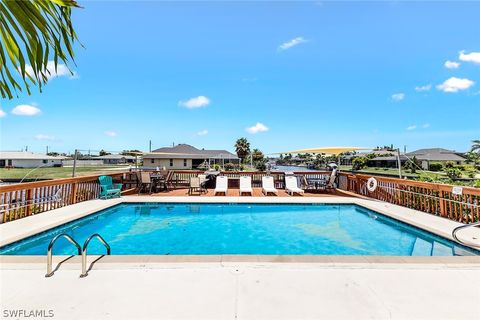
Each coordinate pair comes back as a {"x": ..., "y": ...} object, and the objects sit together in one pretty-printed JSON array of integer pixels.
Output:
[{"x": 56, "y": 173}]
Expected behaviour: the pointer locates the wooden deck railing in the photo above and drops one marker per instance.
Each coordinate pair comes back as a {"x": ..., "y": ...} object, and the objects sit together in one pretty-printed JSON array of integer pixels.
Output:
[
  {"x": 25, "y": 199},
  {"x": 434, "y": 198},
  {"x": 22, "y": 200}
]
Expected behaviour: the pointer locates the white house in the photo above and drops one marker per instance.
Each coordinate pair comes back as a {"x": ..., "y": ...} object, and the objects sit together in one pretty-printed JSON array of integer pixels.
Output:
[{"x": 25, "y": 159}]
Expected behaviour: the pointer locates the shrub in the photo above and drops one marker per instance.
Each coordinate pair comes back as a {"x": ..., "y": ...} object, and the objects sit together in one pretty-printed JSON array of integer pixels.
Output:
[
  {"x": 453, "y": 173},
  {"x": 261, "y": 165},
  {"x": 449, "y": 164},
  {"x": 436, "y": 166},
  {"x": 359, "y": 162},
  {"x": 229, "y": 167}
]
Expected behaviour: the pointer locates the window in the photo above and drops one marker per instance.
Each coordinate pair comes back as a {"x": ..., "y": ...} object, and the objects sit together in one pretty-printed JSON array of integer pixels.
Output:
[
  {"x": 184, "y": 162},
  {"x": 152, "y": 160},
  {"x": 45, "y": 161},
  {"x": 171, "y": 162}
]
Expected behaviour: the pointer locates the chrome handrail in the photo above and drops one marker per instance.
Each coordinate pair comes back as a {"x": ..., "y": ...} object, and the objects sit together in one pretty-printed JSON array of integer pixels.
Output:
[
  {"x": 49, "y": 251},
  {"x": 84, "y": 252},
  {"x": 454, "y": 233}
]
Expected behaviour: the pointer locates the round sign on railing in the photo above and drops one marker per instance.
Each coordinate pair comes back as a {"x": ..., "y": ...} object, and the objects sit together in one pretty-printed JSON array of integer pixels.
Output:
[{"x": 372, "y": 184}]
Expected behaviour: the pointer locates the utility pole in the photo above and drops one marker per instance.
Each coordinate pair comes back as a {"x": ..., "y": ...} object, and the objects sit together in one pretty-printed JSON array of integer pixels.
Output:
[
  {"x": 399, "y": 162},
  {"x": 74, "y": 163},
  {"x": 150, "y": 146},
  {"x": 47, "y": 151}
]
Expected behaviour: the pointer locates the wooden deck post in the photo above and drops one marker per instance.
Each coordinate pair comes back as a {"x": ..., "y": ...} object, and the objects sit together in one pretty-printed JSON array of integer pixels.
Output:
[
  {"x": 443, "y": 208},
  {"x": 29, "y": 202},
  {"x": 74, "y": 193}
]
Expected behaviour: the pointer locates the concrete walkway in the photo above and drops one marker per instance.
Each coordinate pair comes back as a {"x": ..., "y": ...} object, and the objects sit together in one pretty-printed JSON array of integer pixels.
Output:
[{"x": 247, "y": 291}]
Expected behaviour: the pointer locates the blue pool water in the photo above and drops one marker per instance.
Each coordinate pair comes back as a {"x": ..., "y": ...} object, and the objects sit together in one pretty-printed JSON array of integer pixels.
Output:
[{"x": 161, "y": 229}]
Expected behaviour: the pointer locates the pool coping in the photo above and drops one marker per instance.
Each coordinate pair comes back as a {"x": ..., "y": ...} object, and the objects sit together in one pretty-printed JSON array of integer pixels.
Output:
[
  {"x": 19, "y": 229},
  {"x": 152, "y": 261}
]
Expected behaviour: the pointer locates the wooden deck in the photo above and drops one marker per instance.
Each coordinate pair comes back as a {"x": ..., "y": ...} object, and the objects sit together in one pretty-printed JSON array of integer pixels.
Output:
[{"x": 257, "y": 192}]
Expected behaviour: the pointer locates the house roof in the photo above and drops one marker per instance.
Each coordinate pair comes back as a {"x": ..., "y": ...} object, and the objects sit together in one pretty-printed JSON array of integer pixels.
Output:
[
  {"x": 25, "y": 155},
  {"x": 186, "y": 151},
  {"x": 436, "y": 154}
]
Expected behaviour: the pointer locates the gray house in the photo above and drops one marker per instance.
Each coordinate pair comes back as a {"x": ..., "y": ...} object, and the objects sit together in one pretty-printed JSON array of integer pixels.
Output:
[
  {"x": 437, "y": 155},
  {"x": 424, "y": 156},
  {"x": 184, "y": 156}
]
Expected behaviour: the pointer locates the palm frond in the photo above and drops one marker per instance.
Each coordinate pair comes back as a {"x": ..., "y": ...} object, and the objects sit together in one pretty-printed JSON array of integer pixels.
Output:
[{"x": 32, "y": 32}]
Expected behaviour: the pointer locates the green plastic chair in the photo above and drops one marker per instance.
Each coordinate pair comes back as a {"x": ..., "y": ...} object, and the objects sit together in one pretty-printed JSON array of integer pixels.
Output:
[{"x": 108, "y": 188}]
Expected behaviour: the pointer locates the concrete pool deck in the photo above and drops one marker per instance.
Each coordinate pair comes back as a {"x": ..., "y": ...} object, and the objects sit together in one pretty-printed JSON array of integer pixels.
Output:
[
  {"x": 232, "y": 290},
  {"x": 242, "y": 287}
]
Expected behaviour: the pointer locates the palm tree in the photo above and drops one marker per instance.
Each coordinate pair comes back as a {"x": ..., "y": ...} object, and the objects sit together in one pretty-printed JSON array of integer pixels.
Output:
[
  {"x": 476, "y": 146},
  {"x": 33, "y": 32},
  {"x": 257, "y": 155},
  {"x": 242, "y": 148}
]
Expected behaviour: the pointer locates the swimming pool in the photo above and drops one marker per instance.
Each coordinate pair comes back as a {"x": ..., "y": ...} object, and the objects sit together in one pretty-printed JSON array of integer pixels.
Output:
[{"x": 261, "y": 229}]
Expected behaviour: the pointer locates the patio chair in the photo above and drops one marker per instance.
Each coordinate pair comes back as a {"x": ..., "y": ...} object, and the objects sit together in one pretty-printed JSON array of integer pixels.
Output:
[
  {"x": 145, "y": 182},
  {"x": 246, "y": 185},
  {"x": 194, "y": 185},
  {"x": 203, "y": 182},
  {"x": 108, "y": 188},
  {"x": 221, "y": 185},
  {"x": 291, "y": 185},
  {"x": 331, "y": 184},
  {"x": 268, "y": 186},
  {"x": 308, "y": 184}
]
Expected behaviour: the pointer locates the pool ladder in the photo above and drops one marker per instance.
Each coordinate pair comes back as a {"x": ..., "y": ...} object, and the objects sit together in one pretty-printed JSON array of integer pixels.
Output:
[
  {"x": 81, "y": 251},
  {"x": 454, "y": 233}
]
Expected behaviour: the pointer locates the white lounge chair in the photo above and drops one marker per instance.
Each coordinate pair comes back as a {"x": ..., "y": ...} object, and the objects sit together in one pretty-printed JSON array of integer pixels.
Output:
[
  {"x": 268, "y": 186},
  {"x": 291, "y": 185},
  {"x": 246, "y": 185},
  {"x": 221, "y": 185}
]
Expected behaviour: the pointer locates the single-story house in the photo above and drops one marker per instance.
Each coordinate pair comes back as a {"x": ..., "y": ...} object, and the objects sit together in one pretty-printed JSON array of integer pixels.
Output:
[
  {"x": 25, "y": 159},
  {"x": 115, "y": 159},
  {"x": 436, "y": 155},
  {"x": 423, "y": 156},
  {"x": 184, "y": 156}
]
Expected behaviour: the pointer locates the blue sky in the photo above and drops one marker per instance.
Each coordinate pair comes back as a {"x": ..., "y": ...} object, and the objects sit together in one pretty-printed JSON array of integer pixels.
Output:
[{"x": 299, "y": 75}]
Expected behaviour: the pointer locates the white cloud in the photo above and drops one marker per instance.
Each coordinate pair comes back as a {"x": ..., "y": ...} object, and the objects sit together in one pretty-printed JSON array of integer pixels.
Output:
[
  {"x": 292, "y": 43},
  {"x": 26, "y": 110},
  {"x": 62, "y": 71},
  {"x": 111, "y": 133},
  {"x": 197, "y": 102},
  {"x": 412, "y": 127},
  {"x": 469, "y": 57},
  {"x": 202, "y": 133},
  {"x": 451, "y": 64},
  {"x": 2, "y": 113},
  {"x": 455, "y": 84},
  {"x": 398, "y": 96},
  {"x": 259, "y": 127},
  {"x": 44, "y": 137},
  {"x": 424, "y": 88},
  {"x": 426, "y": 125}
]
